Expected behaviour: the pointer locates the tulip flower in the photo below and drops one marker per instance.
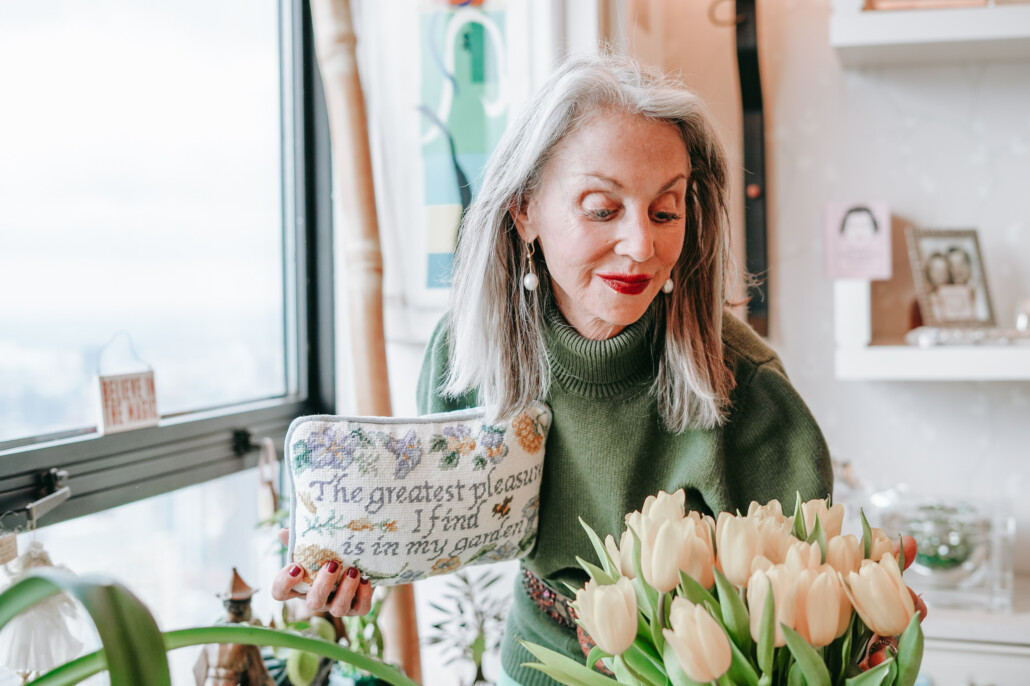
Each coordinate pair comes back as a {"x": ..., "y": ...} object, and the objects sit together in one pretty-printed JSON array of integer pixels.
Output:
[
  {"x": 622, "y": 554},
  {"x": 783, "y": 583},
  {"x": 832, "y": 518},
  {"x": 882, "y": 544},
  {"x": 844, "y": 553},
  {"x": 775, "y": 538},
  {"x": 819, "y": 606},
  {"x": 608, "y": 614},
  {"x": 670, "y": 545},
  {"x": 699, "y": 643},
  {"x": 738, "y": 545},
  {"x": 801, "y": 556},
  {"x": 664, "y": 505},
  {"x": 771, "y": 510},
  {"x": 880, "y": 596}
]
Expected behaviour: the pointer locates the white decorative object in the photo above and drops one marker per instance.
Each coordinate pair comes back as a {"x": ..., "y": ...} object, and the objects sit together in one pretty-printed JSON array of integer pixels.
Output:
[{"x": 40, "y": 638}]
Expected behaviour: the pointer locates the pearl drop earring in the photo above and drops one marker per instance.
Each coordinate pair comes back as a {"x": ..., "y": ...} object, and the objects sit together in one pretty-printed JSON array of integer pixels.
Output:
[
  {"x": 667, "y": 286},
  {"x": 530, "y": 280}
]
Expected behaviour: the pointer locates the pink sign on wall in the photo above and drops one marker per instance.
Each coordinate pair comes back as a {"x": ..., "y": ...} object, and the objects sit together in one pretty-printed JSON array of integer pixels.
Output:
[{"x": 857, "y": 238}]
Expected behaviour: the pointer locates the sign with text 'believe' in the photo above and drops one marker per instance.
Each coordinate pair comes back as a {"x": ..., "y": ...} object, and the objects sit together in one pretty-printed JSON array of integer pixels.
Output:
[{"x": 127, "y": 401}]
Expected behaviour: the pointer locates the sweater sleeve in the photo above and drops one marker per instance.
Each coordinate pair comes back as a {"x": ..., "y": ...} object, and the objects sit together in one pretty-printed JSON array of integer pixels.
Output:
[
  {"x": 774, "y": 448},
  {"x": 429, "y": 395}
]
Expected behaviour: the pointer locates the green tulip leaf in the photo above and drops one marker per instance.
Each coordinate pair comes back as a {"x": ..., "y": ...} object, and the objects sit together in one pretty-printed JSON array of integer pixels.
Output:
[
  {"x": 901, "y": 554},
  {"x": 676, "y": 674},
  {"x": 767, "y": 634},
  {"x": 602, "y": 577},
  {"x": 647, "y": 597},
  {"x": 602, "y": 553},
  {"x": 874, "y": 677},
  {"x": 808, "y": 660},
  {"x": 646, "y": 669},
  {"x": 626, "y": 675},
  {"x": 741, "y": 671},
  {"x": 596, "y": 653},
  {"x": 734, "y": 613},
  {"x": 795, "y": 676},
  {"x": 845, "y": 648},
  {"x": 698, "y": 594},
  {"x": 818, "y": 536},
  {"x": 657, "y": 622},
  {"x": 562, "y": 668},
  {"x": 800, "y": 532},
  {"x": 867, "y": 536},
  {"x": 910, "y": 652}
]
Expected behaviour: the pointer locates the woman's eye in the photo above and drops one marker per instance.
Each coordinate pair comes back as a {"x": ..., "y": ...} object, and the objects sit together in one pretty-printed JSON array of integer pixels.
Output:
[
  {"x": 665, "y": 217},
  {"x": 601, "y": 214}
]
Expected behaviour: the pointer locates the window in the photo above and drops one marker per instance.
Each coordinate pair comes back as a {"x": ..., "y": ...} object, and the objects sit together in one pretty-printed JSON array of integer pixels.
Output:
[{"x": 163, "y": 198}]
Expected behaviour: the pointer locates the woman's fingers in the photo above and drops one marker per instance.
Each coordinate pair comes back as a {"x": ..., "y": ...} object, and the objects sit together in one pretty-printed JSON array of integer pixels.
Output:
[
  {"x": 324, "y": 583},
  {"x": 363, "y": 602},
  {"x": 344, "y": 600},
  {"x": 288, "y": 577}
]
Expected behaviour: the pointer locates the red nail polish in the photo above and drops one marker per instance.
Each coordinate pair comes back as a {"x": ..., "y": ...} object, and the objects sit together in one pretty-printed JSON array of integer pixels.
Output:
[
  {"x": 364, "y": 580},
  {"x": 295, "y": 570},
  {"x": 332, "y": 566},
  {"x": 352, "y": 572}
]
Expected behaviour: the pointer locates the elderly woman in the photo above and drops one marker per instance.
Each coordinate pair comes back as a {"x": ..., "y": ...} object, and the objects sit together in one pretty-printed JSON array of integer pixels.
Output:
[{"x": 590, "y": 274}]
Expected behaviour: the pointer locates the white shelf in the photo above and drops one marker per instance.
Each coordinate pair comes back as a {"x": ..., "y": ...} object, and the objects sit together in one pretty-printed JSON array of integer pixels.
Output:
[
  {"x": 955, "y": 35},
  {"x": 859, "y": 357},
  {"x": 944, "y": 363}
]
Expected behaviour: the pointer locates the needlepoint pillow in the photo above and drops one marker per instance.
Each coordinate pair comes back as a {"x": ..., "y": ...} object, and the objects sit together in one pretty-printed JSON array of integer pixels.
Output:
[{"x": 403, "y": 499}]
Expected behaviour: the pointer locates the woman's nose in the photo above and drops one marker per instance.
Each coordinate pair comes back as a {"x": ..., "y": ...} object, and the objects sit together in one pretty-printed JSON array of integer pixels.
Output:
[{"x": 636, "y": 237}]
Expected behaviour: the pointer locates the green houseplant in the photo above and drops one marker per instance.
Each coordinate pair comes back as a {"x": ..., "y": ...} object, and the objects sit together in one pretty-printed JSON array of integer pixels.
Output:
[{"x": 134, "y": 648}]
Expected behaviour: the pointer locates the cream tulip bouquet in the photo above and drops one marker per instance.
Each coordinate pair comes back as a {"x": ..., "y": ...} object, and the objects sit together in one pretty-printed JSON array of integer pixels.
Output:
[{"x": 762, "y": 600}]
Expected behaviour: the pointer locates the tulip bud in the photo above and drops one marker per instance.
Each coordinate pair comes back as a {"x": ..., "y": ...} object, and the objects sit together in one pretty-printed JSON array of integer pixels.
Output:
[
  {"x": 801, "y": 556},
  {"x": 738, "y": 545},
  {"x": 664, "y": 505},
  {"x": 880, "y": 597},
  {"x": 783, "y": 583},
  {"x": 608, "y": 614},
  {"x": 668, "y": 546},
  {"x": 832, "y": 518},
  {"x": 882, "y": 543},
  {"x": 844, "y": 553},
  {"x": 819, "y": 607},
  {"x": 771, "y": 510},
  {"x": 698, "y": 641},
  {"x": 622, "y": 555},
  {"x": 775, "y": 538}
]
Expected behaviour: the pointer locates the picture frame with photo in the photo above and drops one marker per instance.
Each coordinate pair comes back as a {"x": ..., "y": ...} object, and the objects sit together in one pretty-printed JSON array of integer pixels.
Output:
[{"x": 950, "y": 279}]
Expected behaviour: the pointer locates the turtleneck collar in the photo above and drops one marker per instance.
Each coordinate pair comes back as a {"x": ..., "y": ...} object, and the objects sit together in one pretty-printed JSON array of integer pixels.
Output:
[{"x": 599, "y": 369}]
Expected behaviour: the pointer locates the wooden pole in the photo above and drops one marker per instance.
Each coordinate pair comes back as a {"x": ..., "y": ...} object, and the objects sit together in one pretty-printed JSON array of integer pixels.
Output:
[{"x": 358, "y": 226}]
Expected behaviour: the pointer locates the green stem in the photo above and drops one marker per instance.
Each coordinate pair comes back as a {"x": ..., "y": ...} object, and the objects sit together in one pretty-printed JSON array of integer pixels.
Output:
[{"x": 86, "y": 666}]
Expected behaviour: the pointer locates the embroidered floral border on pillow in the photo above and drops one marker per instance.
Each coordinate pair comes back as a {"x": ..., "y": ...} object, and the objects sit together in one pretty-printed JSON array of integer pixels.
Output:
[{"x": 404, "y": 499}]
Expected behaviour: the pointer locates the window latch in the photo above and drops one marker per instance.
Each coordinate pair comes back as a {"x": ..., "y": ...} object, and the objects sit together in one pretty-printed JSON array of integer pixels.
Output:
[{"x": 54, "y": 481}]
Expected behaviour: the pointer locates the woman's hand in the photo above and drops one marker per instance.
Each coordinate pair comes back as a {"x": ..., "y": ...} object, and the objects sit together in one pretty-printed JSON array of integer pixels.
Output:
[{"x": 341, "y": 592}]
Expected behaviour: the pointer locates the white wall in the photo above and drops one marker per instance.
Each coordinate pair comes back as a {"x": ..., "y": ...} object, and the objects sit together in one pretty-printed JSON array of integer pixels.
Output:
[{"x": 946, "y": 147}]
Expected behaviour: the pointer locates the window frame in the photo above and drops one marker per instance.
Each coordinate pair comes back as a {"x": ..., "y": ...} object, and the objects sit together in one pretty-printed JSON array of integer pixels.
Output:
[{"x": 105, "y": 471}]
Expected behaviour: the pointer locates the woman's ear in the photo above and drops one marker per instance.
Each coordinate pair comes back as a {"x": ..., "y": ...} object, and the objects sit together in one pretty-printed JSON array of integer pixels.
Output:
[{"x": 519, "y": 211}]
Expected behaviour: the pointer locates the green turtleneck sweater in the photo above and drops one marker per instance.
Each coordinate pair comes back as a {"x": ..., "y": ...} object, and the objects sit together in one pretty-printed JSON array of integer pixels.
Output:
[{"x": 607, "y": 451}]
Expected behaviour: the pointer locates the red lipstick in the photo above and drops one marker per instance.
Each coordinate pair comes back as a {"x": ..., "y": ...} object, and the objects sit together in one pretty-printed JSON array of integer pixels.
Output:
[{"x": 627, "y": 284}]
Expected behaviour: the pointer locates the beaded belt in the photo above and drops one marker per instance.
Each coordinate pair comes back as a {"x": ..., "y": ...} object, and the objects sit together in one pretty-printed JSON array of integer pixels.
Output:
[
  {"x": 559, "y": 608},
  {"x": 551, "y": 603}
]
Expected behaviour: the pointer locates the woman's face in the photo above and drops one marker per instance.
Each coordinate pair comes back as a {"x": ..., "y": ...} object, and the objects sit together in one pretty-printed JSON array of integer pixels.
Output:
[
  {"x": 937, "y": 270},
  {"x": 610, "y": 216}
]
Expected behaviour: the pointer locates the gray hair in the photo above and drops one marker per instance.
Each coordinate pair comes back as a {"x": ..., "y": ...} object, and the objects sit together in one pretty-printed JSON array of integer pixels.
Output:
[{"x": 497, "y": 344}]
